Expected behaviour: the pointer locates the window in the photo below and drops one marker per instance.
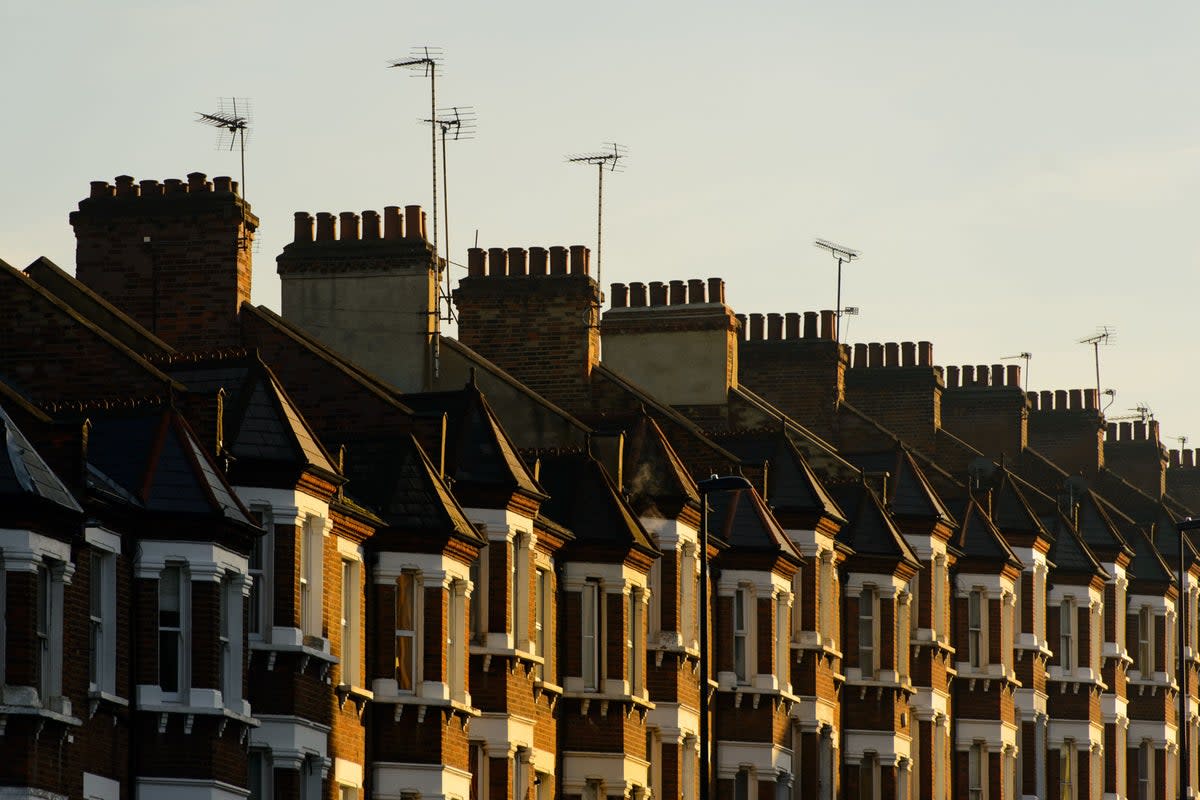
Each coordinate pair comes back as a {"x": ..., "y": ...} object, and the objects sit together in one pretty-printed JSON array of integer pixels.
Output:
[
  {"x": 1097, "y": 642},
  {"x": 1066, "y": 627},
  {"x": 687, "y": 596},
  {"x": 478, "y": 756},
  {"x": 687, "y": 790},
  {"x": 520, "y": 774},
  {"x": 347, "y": 792},
  {"x": 311, "y": 574},
  {"x": 1018, "y": 585},
  {"x": 782, "y": 642},
  {"x": 519, "y": 590},
  {"x": 741, "y": 629},
  {"x": 456, "y": 623},
  {"x": 825, "y": 764},
  {"x": 1066, "y": 772},
  {"x": 903, "y": 629},
  {"x": 259, "y": 783},
  {"x": 939, "y": 598},
  {"x": 868, "y": 603},
  {"x": 868, "y": 777},
  {"x": 406, "y": 632},
  {"x": 975, "y": 643},
  {"x": 741, "y": 784},
  {"x": 102, "y": 616},
  {"x": 1120, "y": 614},
  {"x": 976, "y": 770},
  {"x": 1039, "y": 604},
  {"x": 478, "y": 615},
  {"x": 827, "y": 600},
  {"x": 350, "y": 617},
  {"x": 541, "y": 617},
  {"x": 543, "y": 785},
  {"x": 593, "y": 790},
  {"x": 42, "y": 618},
  {"x": 1145, "y": 655},
  {"x": 224, "y": 639},
  {"x": 637, "y": 643},
  {"x": 1006, "y": 635},
  {"x": 259, "y": 571},
  {"x": 590, "y": 629},
  {"x": 172, "y": 596}
]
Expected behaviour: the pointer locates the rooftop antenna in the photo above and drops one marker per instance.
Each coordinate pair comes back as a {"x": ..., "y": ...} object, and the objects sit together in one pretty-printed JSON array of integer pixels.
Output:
[
  {"x": 850, "y": 311},
  {"x": 609, "y": 158},
  {"x": 234, "y": 120},
  {"x": 455, "y": 124},
  {"x": 1103, "y": 336},
  {"x": 424, "y": 62},
  {"x": 1183, "y": 440},
  {"x": 1026, "y": 355},
  {"x": 844, "y": 255}
]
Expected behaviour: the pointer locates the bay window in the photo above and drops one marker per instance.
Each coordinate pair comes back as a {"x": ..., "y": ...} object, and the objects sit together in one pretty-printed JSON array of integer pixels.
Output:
[
  {"x": 868, "y": 650},
  {"x": 172, "y": 627},
  {"x": 741, "y": 631},
  {"x": 406, "y": 631},
  {"x": 590, "y": 639}
]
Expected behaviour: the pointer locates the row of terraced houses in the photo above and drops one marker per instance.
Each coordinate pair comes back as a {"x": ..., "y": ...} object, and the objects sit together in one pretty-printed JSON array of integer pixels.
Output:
[{"x": 335, "y": 554}]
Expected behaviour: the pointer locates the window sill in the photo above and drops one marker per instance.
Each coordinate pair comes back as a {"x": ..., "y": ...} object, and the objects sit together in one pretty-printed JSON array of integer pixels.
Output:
[
  {"x": 165, "y": 709},
  {"x": 824, "y": 648},
  {"x": 8, "y": 710},
  {"x": 304, "y": 650},
  {"x": 358, "y": 694},
  {"x": 423, "y": 704},
  {"x": 635, "y": 702},
  {"x": 98, "y": 697},
  {"x": 757, "y": 693},
  {"x": 547, "y": 687},
  {"x": 488, "y": 653}
]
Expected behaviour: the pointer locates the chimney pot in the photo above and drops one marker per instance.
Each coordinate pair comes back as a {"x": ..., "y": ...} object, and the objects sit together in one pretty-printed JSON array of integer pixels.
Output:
[
  {"x": 1152, "y": 431},
  {"x": 1110, "y": 432},
  {"x": 348, "y": 225},
  {"x": 695, "y": 290},
  {"x": 151, "y": 188},
  {"x": 997, "y": 374},
  {"x": 1048, "y": 399},
  {"x": 223, "y": 183},
  {"x": 537, "y": 260},
  {"x": 412, "y": 223},
  {"x": 579, "y": 259},
  {"x": 174, "y": 186},
  {"x": 197, "y": 182},
  {"x": 558, "y": 260},
  {"x": 951, "y": 377},
  {"x": 908, "y": 354},
  {"x": 981, "y": 374},
  {"x": 304, "y": 227},
  {"x": 1139, "y": 431},
  {"x": 743, "y": 328},
  {"x": 325, "y": 226},
  {"x": 517, "y": 261},
  {"x": 1188, "y": 458},
  {"x": 925, "y": 354},
  {"x": 1076, "y": 399},
  {"x": 756, "y": 326},
  {"x": 678, "y": 293},
  {"x": 370, "y": 225},
  {"x": 829, "y": 325},
  {"x": 716, "y": 290},
  {"x": 100, "y": 189},
  {"x": 393, "y": 223},
  {"x": 476, "y": 262},
  {"x": 1032, "y": 397},
  {"x": 637, "y": 294},
  {"x": 810, "y": 325},
  {"x": 1174, "y": 459},
  {"x": 792, "y": 325},
  {"x": 875, "y": 354},
  {"x": 891, "y": 354},
  {"x": 1090, "y": 401},
  {"x": 1013, "y": 378},
  {"x": 620, "y": 295},
  {"x": 775, "y": 326},
  {"x": 968, "y": 375},
  {"x": 658, "y": 293},
  {"x": 497, "y": 261},
  {"x": 1126, "y": 431},
  {"x": 126, "y": 187},
  {"x": 860, "y": 354}
]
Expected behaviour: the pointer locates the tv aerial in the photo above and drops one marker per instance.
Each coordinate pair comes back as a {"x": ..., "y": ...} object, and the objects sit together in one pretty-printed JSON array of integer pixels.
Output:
[
  {"x": 1026, "y": 356},
  {"x": 1102, "y": 336},
  {"x": 232, "y": 118},
  {"x": 608, "y": 159},
  {"x": 456, "y": 123},
  {"x": 844, "y": 255}
]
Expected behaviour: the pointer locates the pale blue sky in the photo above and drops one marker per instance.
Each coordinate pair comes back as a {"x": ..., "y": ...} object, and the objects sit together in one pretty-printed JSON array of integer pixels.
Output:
[{"x": 1016, "y": 174}]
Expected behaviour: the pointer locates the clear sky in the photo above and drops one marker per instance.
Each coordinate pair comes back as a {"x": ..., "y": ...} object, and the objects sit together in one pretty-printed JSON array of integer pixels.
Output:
[{"x": 1015, "y": 174}]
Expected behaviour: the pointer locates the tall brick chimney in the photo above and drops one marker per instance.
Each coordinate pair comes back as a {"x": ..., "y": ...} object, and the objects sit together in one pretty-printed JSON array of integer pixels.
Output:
[
  {"x": 986, "y": 407},
  {"x": 795, "y": 362},
  {"x": 1133, "y": 451},
  {"x": 679, "y": 342},
  {"x": 175, "y": 255},
  {"x": 535, "y": 313},
  {"x": 1068, "y": 428},
  {"x": 367, "y": 292},
  {"x": 897, "y": 385},
  {"x": 1183, "y": 477}
]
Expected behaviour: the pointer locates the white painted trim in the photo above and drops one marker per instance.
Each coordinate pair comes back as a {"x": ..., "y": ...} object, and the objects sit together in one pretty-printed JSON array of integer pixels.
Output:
[
  {"x": 888, "y": 747},
  {"x": 432, "y": 566},
  {"x": 767, "y": 759},
  {"x": 24, "y": 550},
  {"x": 393, "y": 780},
  {"x": 288, "y": 507},
  {"x": 205, "y": 561},
  {"x": 347, "y": 773},
  {"x": 502, "y": 734},
  {"x": 187, "y": 789},
  {"x": 617, "y": 771},
  {"x": 290, "y": 739},
  {"x": 97, "y": 787},
  {"x": 104, "y": 539}
]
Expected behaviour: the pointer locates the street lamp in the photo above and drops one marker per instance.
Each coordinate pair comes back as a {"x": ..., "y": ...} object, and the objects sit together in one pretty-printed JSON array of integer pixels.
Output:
[
  {"x": 725, "y": 483},
  {"x": 1185, "y": 775}
]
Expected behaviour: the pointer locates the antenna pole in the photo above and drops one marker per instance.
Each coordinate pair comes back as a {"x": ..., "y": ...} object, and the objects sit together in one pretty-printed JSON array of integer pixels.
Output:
[
  {"x": 844, "y": 255},
  {"x": 600, "y": 227},
  {"x": 446, "y": 214},
  {"x": 837, "y": 330}
]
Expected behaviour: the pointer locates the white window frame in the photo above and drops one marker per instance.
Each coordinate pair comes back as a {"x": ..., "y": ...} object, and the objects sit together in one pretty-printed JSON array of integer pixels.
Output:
[
  {"x": 938, "y": 612},
  {"x": 519, "y": 552},
  {"x": 977, "y": 771},
  {"x": 261, "y": 571},
  {"x": 1067, "y": 634},
  {"x": 868, "y": 621},
  {"x": 265, "y": 788},
  {"x": 312, "y": 573},
  {"x": 411, "y": 581},
  {"x": 181, "y": 631},
  {"x": 456, "y": 644},
  {"x": 782, "y": 641},
  {"x": 351, "y": 622},
  {"x": 591, "y": 632},
  {"x": 43, "y": 630},
  {"x": 1145, "y": 662},
  {"x": 1067, "y": 779},
  {"x": 827, "y": 601},
  {"x": 102, "y": 590},
  {"x": 868, "y": 776},
  {"x": 743, "y": 626},
  {"x": 904, "y": 613},
  {"x": 542, "y": 594},
  {"x": 637, "y": 642},
  {"x": 478, "y": 575},
  {"x": 977, "y": 644},
  {"x": 687, "y": 595}
]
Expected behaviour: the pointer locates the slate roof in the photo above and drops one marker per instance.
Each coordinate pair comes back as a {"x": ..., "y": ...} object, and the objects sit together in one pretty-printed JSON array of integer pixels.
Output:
[
  {"x": 909, "y": 493},
  {"x": 584, "y": 500},
  {"x": 1149, "y": 565},
  {"x": 870, "y": 530},
  {"x": 154, "y": 456},
  {"x": 980, "y": 541},
  {"x": 1012, "y": 511},
  {"x": 742, "y": 520},
  {"x": 24, "y": 474},
  {"x": 478, "y": 450},
  {"x": 1069, "y": 553},
  {"x": 1095, "y": 520},
  {"x": 792, "y": 485},
  {"x": 261, "y": 422}
]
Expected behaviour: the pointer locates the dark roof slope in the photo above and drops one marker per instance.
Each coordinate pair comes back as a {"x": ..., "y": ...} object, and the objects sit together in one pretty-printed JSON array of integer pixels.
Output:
[
  {"x": 908, "y": 491},
  {"x": 980, "y": 542},
  {"x": 792, "y": 485},
  {"x": 741, "y": 519},
  {"x": 24, "y": 474},
  {"x": 584, "y": 499},
  {"x": 870, "y": 531}
]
